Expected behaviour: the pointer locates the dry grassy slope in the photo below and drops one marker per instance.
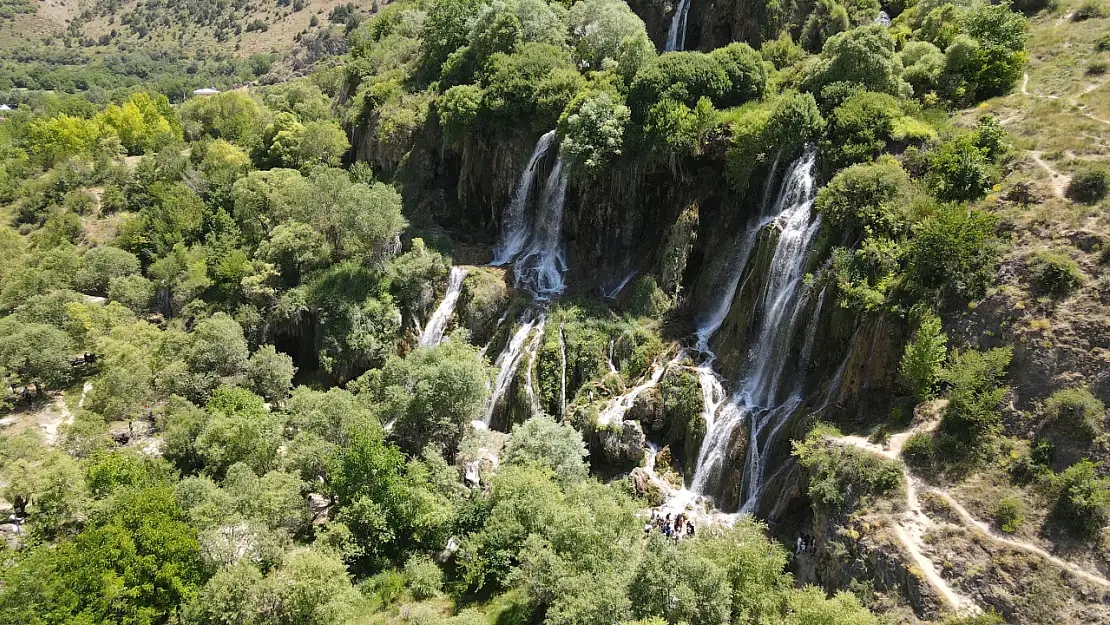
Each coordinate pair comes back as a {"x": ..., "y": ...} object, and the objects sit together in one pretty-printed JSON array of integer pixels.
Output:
[
  {"x": 284, "y": 24},
  {"x": 51, "y": 17},
  {"x": 1060, "y": 120}
]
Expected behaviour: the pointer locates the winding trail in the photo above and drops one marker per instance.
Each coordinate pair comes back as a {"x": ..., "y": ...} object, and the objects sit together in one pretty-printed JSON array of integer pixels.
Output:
[
  {"x": 1059, "y": 181},
  {"x": 65, "y": 417},
  {"x": 913, "y": 525}
]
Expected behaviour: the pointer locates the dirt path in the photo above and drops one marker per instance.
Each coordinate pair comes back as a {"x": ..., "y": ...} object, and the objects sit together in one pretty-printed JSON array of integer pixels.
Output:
[
  {"x": 913, "y": 525},
  {"x": 50, "y": 427},
  {"x": 1020, "y": 544},
  {"x": 1058, "y": 180}
]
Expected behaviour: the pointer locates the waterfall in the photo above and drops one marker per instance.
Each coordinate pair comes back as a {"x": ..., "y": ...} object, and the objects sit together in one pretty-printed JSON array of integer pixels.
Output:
[
  {"x": 709, "y": 320},
  {"x": 759, "y": 400},
  {"x": 883, "y": 19},
  {"x": 533, "y": 239},
  {"x": 540, "y": 266},
  {"x": 517, "y": 227},
  {"x": 676, "y": 35},
  {"x": 532, "y": 351},
  {"x": 617, "y": 408},
  {"x": 508, "y": 362},
  {"x": 563, "y": 375},
  {"x": 433, "y": 332}
]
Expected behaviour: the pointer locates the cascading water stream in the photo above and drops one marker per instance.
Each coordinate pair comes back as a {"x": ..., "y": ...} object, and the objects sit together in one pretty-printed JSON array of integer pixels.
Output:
[
  {"x": 676, "y": 34},
  {"x": 563, "y": 374},
  {"x": 517, "y": 226},
  {"x": 758, "y": 400},
  {"x": 508, "y": 362},
  {"x": 433, "y": 332},
  {"x": 710, "y": 319},
  {"x": 532, "y": 351}
]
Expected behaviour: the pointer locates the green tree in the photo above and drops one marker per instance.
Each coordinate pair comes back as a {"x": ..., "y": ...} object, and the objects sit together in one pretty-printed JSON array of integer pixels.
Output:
[
  {"x": 827, "y": 19},
  {"x": 973, "y": 416},
  {"x": 133, "y": 291},
  {"x": 270, "y": 373},
  {"x": 433, "y": 394},
  {"x": 101, "y": 264},
  {"x": 35, "y": 352},
  {"x": 593, "y": 130},
  {"x": 680, "y": 77},
  {"x": 864, "y": 55},
  {"x": 866, "y": 199},
  {"x": 959, "y": 170},
  {"x": 923, "y": 358},
  {"x": 745, "y": 71},
  {"x": 143, "y": 123},
  {"x": 239, "y": 429},
  {"x": 954, "y": 253},
  {"x": 605, "y": 29},
  {"x": 555, "y": 446},
  {"x": 858, "y": 129},
  {"x": 1084, "y": 499}
]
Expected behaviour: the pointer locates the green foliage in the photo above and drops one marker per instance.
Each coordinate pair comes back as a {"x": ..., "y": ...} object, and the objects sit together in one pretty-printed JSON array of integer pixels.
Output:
[
  {"x": 534, "y": 84},
  {"x": 608, "y": 29},
  {"x": 458, "y": 107},
  {"x": 432, "y": 394},
  {"x": 1008, "y": 514},
  {"x": 1077, "y": 410},
  {"x": 1090, "y": 9},
  {"x": 423, "y": 577},
  {"x": 679, "y": 78},
  {"x": 865, "y": 56},
  {"x": 746, "y": 75},
  {"x": 923, "y": 357},
  {"x": 858, "y": 129},
  {"x": 832, "y": 468},
  {"x": 959, "y": 170},
  {"x": 827, "y": 19},
  {"x": 866, "y": 199},
  {"x": 270, "y": 373},
  {"x": 1054, "y": 273},
  {"x": 557, "y": 447},
  {"x": 143, "y": 123},
  {"x": 593, "y": 130},
  {"x": 100, "y": 265},
  {"x": 134, "y": 563},
  {"x": 35, "y": 352},
  {"x": 1083, "y": 503},
  {"x": 953, "y": 253},
  {"x": 973, "y": 417},
  {"x": 919, "y": 451},
  {"x": 795, "y": 121},
  {"x": 232, "y": 115},
  {"x": 1089, "y": 185}
]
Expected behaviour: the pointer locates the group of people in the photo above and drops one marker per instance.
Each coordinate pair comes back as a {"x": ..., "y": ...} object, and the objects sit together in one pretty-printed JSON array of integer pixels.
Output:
[
  {"x": 805, "y": 544},
  {"x": 673, "y": 526}
]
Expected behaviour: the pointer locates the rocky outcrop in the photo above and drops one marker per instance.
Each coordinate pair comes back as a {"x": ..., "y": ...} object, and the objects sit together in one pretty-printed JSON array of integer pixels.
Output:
[{"x": 620, "y": 446}]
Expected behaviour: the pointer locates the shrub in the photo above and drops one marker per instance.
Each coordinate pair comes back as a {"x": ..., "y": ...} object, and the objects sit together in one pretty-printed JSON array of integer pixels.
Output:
[
  {"x": 1054, "y": 274},
  {"x": 973, "y": 416},
  {"x": 1007, "y": 514},
  {"x": 683, "y": 77},
  {"x": 1077, "y": 408},
  {"x": 859, "y": 129},
  {"x": 833, "y": 468},
  {"x": 954, "y": 252},
  {"x": 1084, "y": 499},
  {"x": 1102, "y": 44},
  {"x": 865, "y": 198},
  {"x": 423, "y": 577},
  {"x": 1089, "y": 10},
  {"x": 921, "y": 364},
  {"x": 745, "y": 71},
  {"x": 593, "y": 130},
  {"x": 959, "y": 170},
  {"x": 1096, "y": 68},
  {"x": 1089, "y": 185},
  {"x": 918, "y": 452}
]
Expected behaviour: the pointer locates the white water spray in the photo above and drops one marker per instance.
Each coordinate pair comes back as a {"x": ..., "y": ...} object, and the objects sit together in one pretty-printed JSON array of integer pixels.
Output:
[
  {"x": 676, "y": 35},
  {"x": 517, "y": 226},
  {"x": 433, "y": 332},
  {"x": 507, "y": 363},
  {"x": 759, "y": 399}
]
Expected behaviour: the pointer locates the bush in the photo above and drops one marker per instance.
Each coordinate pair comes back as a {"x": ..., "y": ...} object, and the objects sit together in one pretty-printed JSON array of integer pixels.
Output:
[
  {"x": 858, "y": 129},
  {"x": 1007, "y": 514},
  {"x": 918, "y": 452},
  {"x": 1089, "y": 10},
  {"x": 924, "y": 357},
  {"x": 1084, "y": 499},
  {"x": 1054, "y": 274},
  {"x": 954, "y": 253},
  {"x": 973, "y": 416},
  {"x": 959, "y": 170},
  {"x": 423, "y": 577},
  {"x": 1078, "y": 409},
  {"x": 865, "y": 198},
  {"x": 745, "y": 71},
  {"x": 682, "y": 77},
  {"x": 1089, "y": 185},
  {"x": 1102, "y": 44},
  {"x": 593, "y": 130}
]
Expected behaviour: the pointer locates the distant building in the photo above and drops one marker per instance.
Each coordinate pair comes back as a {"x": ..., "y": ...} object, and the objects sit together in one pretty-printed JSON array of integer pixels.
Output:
[
  {"x": 5, "y": 107},
  {"x": 207, "y": 91}
]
